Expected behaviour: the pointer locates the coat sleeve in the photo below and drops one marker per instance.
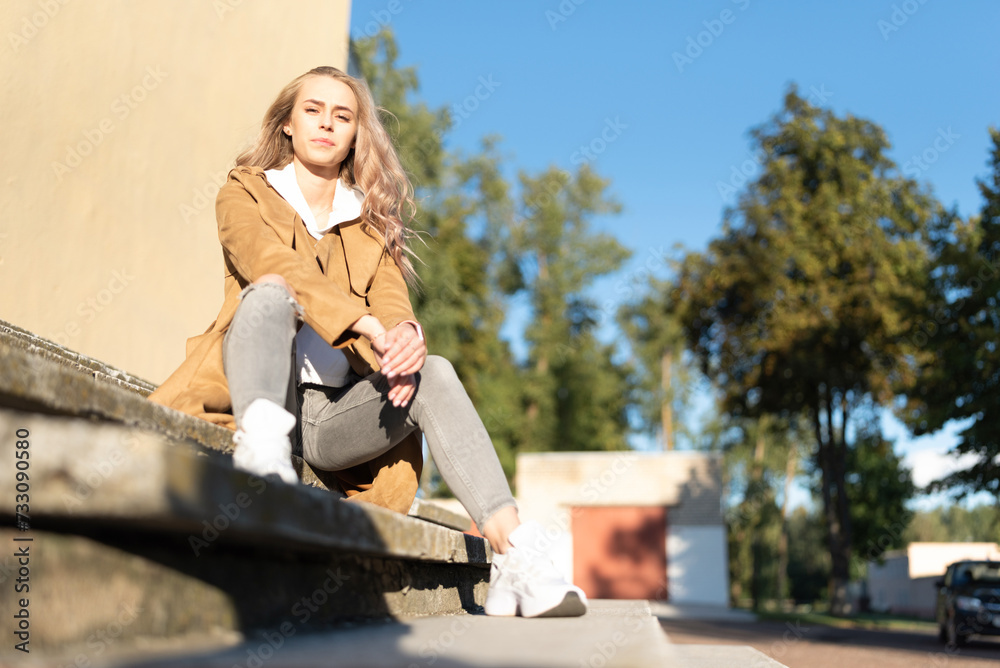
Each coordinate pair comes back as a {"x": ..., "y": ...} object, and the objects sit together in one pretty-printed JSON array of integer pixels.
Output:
[
  {"x": 254, "y": 248},
  {"x": 388, "y": 297}
]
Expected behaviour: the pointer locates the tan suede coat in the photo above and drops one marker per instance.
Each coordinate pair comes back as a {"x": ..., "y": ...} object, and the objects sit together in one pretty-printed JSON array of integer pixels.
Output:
[{"x": 337, "y": 279}]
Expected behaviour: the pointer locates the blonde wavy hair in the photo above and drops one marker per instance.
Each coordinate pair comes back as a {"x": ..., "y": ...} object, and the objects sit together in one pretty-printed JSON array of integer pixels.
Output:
[{"x": 372, "y": 164}]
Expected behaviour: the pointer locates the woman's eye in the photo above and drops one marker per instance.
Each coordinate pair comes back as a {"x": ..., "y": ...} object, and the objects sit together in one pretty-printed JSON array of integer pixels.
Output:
[
  {"x": 346, "y": 119},
  {"x": 311, "y": 109}
]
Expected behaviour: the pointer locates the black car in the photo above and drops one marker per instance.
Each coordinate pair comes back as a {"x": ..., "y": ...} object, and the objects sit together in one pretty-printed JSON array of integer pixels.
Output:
[{"x": 968, "y": 601}]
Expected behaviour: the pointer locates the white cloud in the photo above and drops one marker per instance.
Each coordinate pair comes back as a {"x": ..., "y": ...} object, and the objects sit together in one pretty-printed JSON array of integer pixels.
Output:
[{"x": 932, "y": 464}]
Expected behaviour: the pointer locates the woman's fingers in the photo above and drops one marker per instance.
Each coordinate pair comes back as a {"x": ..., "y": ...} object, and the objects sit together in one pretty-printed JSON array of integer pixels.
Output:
[
  {"x": 401, "y": 390},
  {"x": 405, "y": 351},
  {"x": 410, "y": 360}
]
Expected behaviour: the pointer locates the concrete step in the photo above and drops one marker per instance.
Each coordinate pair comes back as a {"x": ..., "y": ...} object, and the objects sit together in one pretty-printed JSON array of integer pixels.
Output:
[
  {"x": 613, "y": 634},
  {"x": 40, "y": 376},
  {"x": 126, "y": 519}
]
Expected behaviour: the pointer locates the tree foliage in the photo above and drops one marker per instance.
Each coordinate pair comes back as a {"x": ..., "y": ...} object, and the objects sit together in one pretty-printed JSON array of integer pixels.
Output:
[
  {"x": 804, "y": 304},
  {"x": 667, "y": 378},
  {"x": 962, "y": 381},
  {"x": 483, "y": 240},
  {"x": 980, "y": 524},
  {"x": 456, "y": 302}
]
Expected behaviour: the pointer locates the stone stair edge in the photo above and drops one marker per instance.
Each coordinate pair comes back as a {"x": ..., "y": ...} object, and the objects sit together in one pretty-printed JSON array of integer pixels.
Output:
[
  {"x": 38, "y": 381},
  {"x": 19, "y": 337},
  {"x": 105, "y": 472},
  {"x": 613, "y": 634}
]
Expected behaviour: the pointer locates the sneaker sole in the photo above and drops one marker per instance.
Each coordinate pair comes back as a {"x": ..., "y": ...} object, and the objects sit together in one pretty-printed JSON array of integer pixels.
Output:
[{"x": 571, "y": 606}]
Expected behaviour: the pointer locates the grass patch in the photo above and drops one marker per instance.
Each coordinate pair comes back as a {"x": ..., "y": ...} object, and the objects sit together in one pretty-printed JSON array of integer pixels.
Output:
[{"x": 869, "y": 620}]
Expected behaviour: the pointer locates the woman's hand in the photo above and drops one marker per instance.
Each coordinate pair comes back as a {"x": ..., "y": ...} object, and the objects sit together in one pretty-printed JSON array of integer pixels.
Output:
[{"x": 401, "y": 352}]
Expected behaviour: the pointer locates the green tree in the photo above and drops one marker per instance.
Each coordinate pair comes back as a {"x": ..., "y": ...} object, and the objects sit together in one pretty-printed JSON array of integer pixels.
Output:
[
  {"x": 804, "y": 305},
  {"x": 571, "y": 394},
  {"x": 962, "y": 381},
  {"x": 576, "y": 395},
  {"x": 665, "y": 381},
  {"x": 808, "y": 562},
  {"x": 456, "y": 303},
  {"x": 756, "y": 454},
  {"x": 878, "y": 487},
  {"x": 955, "y": 524}
]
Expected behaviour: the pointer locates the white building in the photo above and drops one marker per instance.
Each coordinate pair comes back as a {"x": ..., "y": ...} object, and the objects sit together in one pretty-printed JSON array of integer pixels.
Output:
[
  {"x": 631, "y": 524},
  {"x": 904, "y": 584}
]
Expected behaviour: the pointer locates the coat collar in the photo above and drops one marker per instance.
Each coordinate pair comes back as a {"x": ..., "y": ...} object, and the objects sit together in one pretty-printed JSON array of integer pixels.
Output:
[{"x": 354, "y": 243}]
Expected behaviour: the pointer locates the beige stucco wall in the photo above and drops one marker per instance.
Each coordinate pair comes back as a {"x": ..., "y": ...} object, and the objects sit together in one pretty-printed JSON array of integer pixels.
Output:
[
  {"x": 690, "y": 483},
  {"x": 120, "y": 120}
]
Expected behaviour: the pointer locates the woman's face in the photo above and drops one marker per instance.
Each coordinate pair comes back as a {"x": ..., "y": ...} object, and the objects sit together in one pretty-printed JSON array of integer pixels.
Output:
[{"x": 323, "y": 124}]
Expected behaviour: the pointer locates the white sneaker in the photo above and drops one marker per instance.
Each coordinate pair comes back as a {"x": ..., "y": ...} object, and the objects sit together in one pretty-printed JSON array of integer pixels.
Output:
[
  {"x": 525, "y": 581},
  {"x": 262, "y": 443}
]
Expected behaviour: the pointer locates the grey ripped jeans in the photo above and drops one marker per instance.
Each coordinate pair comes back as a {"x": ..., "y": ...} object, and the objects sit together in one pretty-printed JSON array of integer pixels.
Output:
[{"x": 340, "y": 427}]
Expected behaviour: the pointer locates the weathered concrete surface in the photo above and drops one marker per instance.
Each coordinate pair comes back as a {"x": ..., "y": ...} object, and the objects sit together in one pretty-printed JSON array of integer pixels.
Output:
[
  {"x": 41, "y": 376},
  {"x": 109, "y": 474},
  {"x": 36, "y": 346},
  {"x": 613, "y": 634},
  {"x": 721, "y": 656},
  {"x": 53, "y": 380},
  {"x": 154, "y": 538},
  {"x": 123, "y": 587},
  {"x": 439, "y": 514}
]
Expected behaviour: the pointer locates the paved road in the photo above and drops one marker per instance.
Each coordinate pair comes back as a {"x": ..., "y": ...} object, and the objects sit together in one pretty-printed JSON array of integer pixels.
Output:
[{"x": 800, "y": 646}]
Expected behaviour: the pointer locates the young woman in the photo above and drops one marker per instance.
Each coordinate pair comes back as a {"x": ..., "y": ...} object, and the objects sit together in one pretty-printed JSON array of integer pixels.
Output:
[{"x": 317, "y": 339}]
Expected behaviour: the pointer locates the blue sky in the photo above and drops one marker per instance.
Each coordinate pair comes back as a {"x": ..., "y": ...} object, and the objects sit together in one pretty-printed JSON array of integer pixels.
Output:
[{"x": 659, "y": 96}]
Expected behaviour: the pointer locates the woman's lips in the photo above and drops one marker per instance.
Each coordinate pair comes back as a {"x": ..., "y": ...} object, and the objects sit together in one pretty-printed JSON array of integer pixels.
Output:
[{"x": 323, "y": 142}]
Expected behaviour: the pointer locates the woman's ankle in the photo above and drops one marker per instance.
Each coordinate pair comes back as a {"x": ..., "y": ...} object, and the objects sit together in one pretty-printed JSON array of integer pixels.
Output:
[{"x": 498, "y": 528}]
